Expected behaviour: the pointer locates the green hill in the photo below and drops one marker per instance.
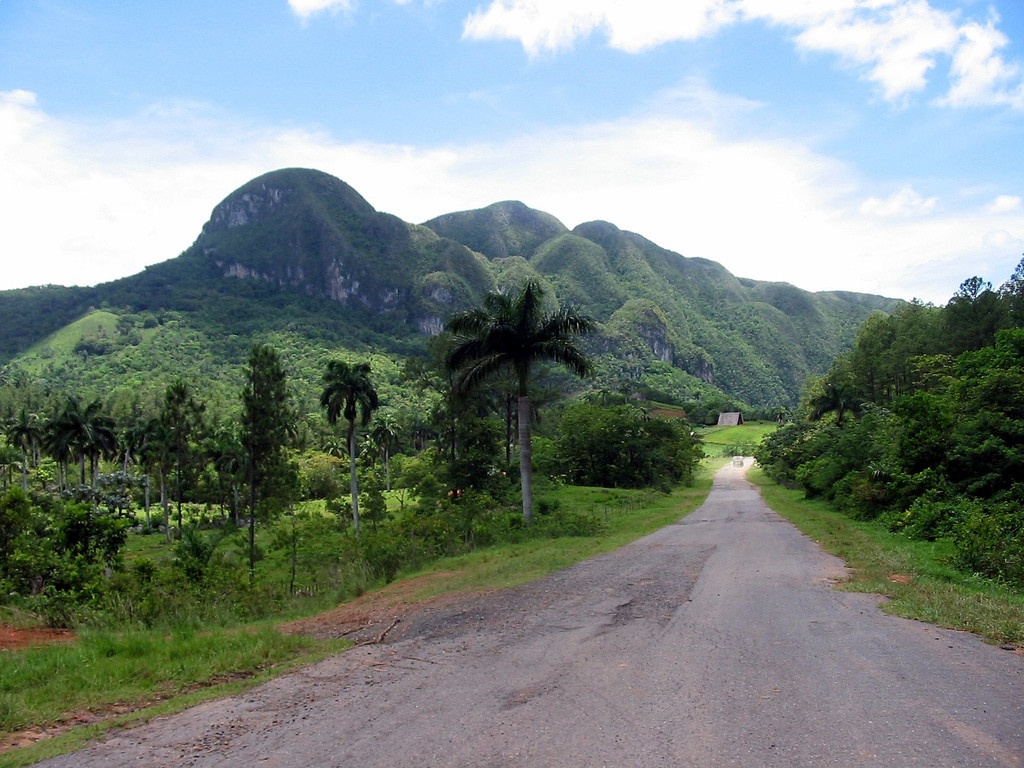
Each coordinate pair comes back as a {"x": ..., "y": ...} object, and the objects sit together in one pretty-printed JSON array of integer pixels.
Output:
[{"x": 298, "y": 259}]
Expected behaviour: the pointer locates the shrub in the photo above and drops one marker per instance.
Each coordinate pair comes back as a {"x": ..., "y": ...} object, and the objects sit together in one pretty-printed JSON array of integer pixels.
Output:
[
  {"x": 990, "y": 541},
  {"x": 932, "y": 518}
]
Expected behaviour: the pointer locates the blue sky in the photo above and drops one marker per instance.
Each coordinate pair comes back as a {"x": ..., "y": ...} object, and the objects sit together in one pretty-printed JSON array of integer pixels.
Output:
[{"x": 866, "y": 145}]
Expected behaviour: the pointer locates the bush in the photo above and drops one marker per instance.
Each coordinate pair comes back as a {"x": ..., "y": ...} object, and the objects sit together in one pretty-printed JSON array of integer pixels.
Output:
[
  {"x": 931, "y": 518},
  {"x": 990, "y": 541}
]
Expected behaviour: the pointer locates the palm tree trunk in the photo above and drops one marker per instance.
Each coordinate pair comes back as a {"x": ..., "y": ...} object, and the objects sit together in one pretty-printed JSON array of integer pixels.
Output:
[
  {"x": 525, "y": 458},
  {"x": 353, "y": 483},
  {"x": 252, "y": 521},
  {"x": 508, "y": 430},
  {"x": 166, "y": 508}
]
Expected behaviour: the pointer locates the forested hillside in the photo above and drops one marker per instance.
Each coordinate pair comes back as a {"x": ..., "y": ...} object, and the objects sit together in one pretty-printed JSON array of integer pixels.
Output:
[
  {"x": 921, "y": 426},
  {"x": 299, "y": 259}
]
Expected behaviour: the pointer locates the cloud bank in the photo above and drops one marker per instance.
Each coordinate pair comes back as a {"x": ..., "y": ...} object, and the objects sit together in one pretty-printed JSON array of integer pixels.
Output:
[
  {"x": 103, "y": 201},
  {"x": 896, "y": 44}
]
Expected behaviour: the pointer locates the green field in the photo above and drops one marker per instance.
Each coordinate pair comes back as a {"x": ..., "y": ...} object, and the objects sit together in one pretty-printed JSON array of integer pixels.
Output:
[{"x": 735, "y": 441}]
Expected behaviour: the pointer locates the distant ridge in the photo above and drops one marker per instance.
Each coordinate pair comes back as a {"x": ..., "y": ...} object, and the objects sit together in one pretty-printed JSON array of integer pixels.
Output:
[{"x": 300, "y": 248}]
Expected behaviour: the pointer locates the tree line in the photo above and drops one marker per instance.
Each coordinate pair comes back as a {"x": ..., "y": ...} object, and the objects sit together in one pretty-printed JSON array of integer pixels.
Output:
[
  {"x": 921, "y": 426},
  {"x": 228, "y": 486}
]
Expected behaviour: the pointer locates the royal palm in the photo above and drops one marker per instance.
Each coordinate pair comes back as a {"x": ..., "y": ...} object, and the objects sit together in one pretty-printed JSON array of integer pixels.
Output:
[
  {"x": 348, "y": 393},
  {"x": 511, "y": 333}
]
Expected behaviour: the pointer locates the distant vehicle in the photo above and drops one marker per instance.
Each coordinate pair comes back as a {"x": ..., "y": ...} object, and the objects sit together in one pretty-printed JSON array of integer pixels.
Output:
[{"x": 737, "y": 461}]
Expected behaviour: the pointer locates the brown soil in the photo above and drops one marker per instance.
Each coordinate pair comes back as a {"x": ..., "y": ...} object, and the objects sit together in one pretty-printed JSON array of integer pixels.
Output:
[
  {"x": 899, "y": 578},
  {"x": 14, "y": 638},
  {"x": 372, "y": 616}
]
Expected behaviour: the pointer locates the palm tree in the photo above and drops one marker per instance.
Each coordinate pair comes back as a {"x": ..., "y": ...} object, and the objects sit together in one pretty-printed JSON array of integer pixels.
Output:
[
  {"x": 348, "y": 393},
  {"x": 512, "y": 333},
  {"x": 836, "y": 397},
  {"x": 26, "y": 433},
  {"x": 385, "y": 434},
  {"x": 82, "y": 432},
  {"x": 181, "y": 416},
  {"x": 225, "y": 452},
  {"x": 157, "y": 453}
]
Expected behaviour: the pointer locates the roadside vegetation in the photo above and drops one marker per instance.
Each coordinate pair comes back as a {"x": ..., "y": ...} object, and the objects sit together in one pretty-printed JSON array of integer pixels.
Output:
[
  {"x": 917, "y": 578},
  {"x": 113, "y": 678},
  {"x": 916, "y": 439},
  {"x": 173, "y": 541}
]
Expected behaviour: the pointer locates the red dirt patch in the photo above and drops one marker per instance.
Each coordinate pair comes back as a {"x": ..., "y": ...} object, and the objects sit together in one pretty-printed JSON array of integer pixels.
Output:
[
  {"x": 15, "y": 638},
  {"x": 371, "y": 616}
]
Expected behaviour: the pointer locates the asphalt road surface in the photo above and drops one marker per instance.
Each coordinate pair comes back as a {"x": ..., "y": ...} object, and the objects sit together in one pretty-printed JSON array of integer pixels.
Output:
[{"x": 717, "y": 641}]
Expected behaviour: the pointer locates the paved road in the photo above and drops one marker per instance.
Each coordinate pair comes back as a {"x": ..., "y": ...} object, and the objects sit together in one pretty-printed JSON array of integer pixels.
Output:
[{"x": 717, "y": 641}]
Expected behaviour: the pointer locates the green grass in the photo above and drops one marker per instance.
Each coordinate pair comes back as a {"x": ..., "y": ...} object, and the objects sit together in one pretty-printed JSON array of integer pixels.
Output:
[
  {"x": 914, "y": 575},
  {"x": 62, "y": 343},
  {"x": 628, "y": 515},
  {"x": 729, "y": 441},
  {"x": 110, "y": 672},
  {"x": 152, "y": 672}
]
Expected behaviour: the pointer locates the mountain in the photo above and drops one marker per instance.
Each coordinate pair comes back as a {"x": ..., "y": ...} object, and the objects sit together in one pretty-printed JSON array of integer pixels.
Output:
[
  {"x": 298, "y": 258},
  {"x": 755, "y": 340}
]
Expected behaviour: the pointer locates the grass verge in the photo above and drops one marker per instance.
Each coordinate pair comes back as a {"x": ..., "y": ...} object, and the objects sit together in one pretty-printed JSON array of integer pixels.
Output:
[
  {"x": 915, "y": 575},
  {"x": 107, "y": 679},
  {"x": 628, "y": 516},
  {"x": 153, "y": 673}
]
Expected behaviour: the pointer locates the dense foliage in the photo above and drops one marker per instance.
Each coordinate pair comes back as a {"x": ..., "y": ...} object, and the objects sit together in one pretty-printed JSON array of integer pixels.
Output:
[
  {"x": 261, "y": 500},
  {"x": 921, "y": 425},
  {"x": 623, "y": 447}
]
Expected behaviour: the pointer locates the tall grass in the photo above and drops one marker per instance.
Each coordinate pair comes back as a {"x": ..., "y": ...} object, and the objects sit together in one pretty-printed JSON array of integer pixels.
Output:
[{"x": 104, "y": 673}]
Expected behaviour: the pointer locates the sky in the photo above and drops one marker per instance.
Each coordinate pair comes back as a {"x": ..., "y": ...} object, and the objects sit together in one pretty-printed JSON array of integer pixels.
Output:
[{"x": 862, "y": 145}]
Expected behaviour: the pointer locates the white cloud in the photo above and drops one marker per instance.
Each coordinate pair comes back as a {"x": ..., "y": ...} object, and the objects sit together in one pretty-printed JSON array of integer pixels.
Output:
[
  {"x": 86, "y": 204},
  {"x": 898, "y": 41},
  {"x": 904, "y": 203},
  {"x": 307, "y": 8},
  {"x": 1006, "y": 204},
  {"x": 980, "y": 75},
  {"x": 898, "y": 44},
  {"x": 555, "y": 25}
]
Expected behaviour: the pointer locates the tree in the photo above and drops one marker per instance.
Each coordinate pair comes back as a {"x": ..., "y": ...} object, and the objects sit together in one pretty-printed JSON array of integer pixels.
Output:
[
  {"x": 181, "y": 417},
  {"x": 973, "y": 315},
  {"x": 26, "y": 433},
  {"x": 348, "y": 393},
  {"x": 512, "y": 334},
  {"x": 82, "y": 432},
  {"x": 225, "y": 453},
  {"x": 620, "y": 447},
  {"x": 157, "y": 453},
  {"x": 836, "y": 396},
  {"x": 1012, "y": 293},
  {"x": 385, "y": 434},
  {"x": 266, "y": 421}
]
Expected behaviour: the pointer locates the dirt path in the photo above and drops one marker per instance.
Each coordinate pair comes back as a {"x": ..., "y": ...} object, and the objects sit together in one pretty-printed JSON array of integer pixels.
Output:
[{"x": 717, "y": 641}]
